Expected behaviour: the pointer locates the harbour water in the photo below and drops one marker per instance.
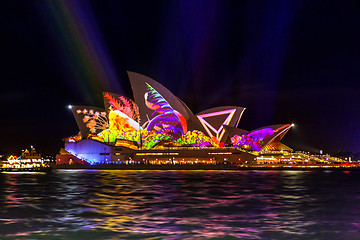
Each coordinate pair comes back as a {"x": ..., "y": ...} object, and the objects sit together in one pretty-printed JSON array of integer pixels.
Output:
[{"x": 187, "y": 204}]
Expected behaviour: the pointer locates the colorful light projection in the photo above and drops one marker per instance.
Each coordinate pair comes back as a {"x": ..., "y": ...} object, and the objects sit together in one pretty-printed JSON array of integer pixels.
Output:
[
  {"x": 253, "y": 139},
  {"x": 150, "y": 139},
  {"x": 111, "y": 135},
  {"x": 123, "y": 120},
  {"x": 167, "y": 124},
  {"x": 168, "y": 121},
  {"x": 259, "y": 138},
  {"x": 94, "y": 120},
  {"x": 196, "y": 138},
  {"x": 220, "y": 131},
  {"x": 124, "y": 105},
  {"x": 259, "y": 135}
]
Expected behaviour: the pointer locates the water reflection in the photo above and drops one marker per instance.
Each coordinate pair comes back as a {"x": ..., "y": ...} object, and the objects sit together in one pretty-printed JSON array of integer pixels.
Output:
[{"x": 110, "y": 204}]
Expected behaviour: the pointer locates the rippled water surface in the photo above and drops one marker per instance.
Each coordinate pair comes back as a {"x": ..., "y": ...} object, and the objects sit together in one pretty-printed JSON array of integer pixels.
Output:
[{"x": 117, "y": 204}]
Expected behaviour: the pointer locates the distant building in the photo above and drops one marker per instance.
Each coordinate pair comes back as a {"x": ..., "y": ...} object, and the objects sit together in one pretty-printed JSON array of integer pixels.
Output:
[{"x": 27, "y": 160}]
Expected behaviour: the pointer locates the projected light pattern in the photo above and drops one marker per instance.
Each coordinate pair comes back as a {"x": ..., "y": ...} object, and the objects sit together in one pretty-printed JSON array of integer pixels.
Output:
[
  {"x": 259, "y": 139},
  {"x": 94, "y": 120},
  {"x": 111, "y": 135},
  {"x": 150, "y": 138},
  {"x": 244, "y": 141},
  {"x": 220, "y": 131},
  {"x": 252, "y": 139},
  {"x": 168, "y": 121},
  {"x": 196, "y": 138},
  {"x": 261, "y": 134},
  {"x": 124, "y": 105}
]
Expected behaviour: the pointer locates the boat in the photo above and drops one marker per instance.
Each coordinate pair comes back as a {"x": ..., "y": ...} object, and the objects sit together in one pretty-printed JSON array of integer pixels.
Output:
[{"x": 29, "y": 161}]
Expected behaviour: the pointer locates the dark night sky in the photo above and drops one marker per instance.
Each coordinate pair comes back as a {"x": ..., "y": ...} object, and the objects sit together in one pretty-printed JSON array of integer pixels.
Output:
[{"x": 285, "y": 61}]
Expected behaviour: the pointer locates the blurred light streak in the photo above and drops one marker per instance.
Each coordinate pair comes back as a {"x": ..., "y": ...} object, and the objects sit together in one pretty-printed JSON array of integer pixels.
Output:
[{"x": 83, "y": 47}]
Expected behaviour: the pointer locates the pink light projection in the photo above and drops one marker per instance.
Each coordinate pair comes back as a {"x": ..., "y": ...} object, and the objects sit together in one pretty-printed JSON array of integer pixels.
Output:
[{"x": 218, "y": 132}]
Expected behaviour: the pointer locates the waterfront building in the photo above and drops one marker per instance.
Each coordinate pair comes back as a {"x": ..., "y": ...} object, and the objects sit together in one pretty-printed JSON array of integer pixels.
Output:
[{"x": 158, "y": 128}]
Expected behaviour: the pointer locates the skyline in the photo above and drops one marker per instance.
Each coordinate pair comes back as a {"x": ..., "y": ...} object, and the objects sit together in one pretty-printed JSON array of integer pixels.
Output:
[{"x": 284, "y": 62}]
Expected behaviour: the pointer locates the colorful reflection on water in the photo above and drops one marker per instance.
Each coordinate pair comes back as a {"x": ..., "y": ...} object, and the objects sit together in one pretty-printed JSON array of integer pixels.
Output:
[{"x": 115, "y": 204}]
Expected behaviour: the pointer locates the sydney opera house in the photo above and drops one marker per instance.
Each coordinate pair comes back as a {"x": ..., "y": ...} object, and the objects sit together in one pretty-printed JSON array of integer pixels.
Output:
[{"x": 158, "y": 128}]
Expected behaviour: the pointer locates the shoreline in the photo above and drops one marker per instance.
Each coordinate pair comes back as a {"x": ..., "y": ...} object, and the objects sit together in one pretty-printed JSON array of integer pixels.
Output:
[{"x": 206, "y": 167}]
